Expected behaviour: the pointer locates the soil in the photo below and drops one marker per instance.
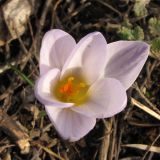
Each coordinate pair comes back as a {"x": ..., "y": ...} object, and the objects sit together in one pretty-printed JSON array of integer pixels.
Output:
[{"x": 23, "y": 118}]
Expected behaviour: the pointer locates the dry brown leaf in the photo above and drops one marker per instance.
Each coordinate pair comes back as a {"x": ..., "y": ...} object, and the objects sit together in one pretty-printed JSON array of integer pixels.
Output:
[
  {"x": 35, "y": 112},
  {"x": 16, "y": 14}
]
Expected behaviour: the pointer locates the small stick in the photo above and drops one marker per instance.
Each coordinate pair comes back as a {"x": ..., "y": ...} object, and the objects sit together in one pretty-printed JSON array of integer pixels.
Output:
[
  {"x": 106, "y": 141},
  {"x": 13, "y": 130},
  {"x": 113, "y": 141},
  {"x": 110, "y": 7},
  {"x": 148, "y": 148},
  {"x": 146, "y": 99},
  {"x": 145, "y": 108}
]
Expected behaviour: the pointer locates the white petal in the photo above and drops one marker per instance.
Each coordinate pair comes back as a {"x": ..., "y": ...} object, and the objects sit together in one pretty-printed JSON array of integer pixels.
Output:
[
  {"x": 126, "y": 59},
  {"x": 56, "y": 47},
  {"x": 43, "y": 89},
  {"x": 71, "y": 125},
  {"x": 107, "y": 97},
  {"x": 90, "y": 54}
]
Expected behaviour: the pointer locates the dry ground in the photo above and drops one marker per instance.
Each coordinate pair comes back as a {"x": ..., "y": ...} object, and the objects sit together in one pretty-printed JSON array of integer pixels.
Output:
[{"x": 25, "y": 128}]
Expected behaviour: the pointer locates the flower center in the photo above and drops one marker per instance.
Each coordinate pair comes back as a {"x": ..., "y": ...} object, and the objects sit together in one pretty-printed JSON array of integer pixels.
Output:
[{"x": 71, "y": 89}]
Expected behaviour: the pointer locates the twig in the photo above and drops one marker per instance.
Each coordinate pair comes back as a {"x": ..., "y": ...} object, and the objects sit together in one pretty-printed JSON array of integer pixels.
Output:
[
  {"x": 106, "y": 140},
  {"x": 110, "y": 7},
  {"x": 143, "y": 147},
  {"x": 149, "y": 147},
  {"x": 121, "y": 128},
  {"x": 5, "y": 147},
  {"x": 149, "y": 69},
  {"x": 12, "y": 129},
  {"x": 44, "y": 13},
  {"x": 146, "y": 109},
  {"x": 49, "y": 151},
  {"x": 113, "y": 147},
  {"x": 131, "y": 121},
  {"x": 54, "y": 15},
  {"x": 146, "y": 99},
  {"x": 75, "y": 13},
  {"x": 41, "y": 24}
]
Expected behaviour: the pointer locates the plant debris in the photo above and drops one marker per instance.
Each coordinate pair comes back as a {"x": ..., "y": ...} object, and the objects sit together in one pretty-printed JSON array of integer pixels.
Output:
[{"x": 25, "y": 130}]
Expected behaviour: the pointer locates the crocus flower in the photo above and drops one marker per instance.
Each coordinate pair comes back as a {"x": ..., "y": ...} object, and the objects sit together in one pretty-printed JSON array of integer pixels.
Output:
[{"x": 80, "y": 82}]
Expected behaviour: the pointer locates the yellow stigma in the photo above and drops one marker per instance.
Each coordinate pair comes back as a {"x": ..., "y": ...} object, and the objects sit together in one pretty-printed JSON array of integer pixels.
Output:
[{"x": 72, "y": 89}]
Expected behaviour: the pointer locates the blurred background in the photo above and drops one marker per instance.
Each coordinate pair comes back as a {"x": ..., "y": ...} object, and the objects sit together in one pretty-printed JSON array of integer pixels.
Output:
[{"x": 25, "y": 130}]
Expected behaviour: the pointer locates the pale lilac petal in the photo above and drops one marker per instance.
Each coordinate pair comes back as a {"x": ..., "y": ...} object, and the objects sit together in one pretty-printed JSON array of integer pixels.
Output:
[
  {"x": 43, "y": 89},
  {"x": 126, "y": 59},
  {"x": 107, "y": 97},
  {"x": 71, "y": 125},
  {"x": 90, "y": 54},
  {"x": 56, "y": 47}
]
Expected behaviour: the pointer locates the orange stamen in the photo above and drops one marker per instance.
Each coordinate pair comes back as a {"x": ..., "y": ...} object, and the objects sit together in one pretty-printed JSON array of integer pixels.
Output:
[
  {"x": 67, "y": 88},
  {"x": 72, "y": 89}
]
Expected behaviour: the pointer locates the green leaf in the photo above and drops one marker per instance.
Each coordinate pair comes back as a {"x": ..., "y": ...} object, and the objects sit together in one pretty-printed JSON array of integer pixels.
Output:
[
  {"x": 155, "y": 46},
  {"x": 154, "y": 26},
  {"x": 131, "y": 34},
  {"x": 42, "y": 114},
  {"x": 23, "y": 76},
  {"x": 138, "y": 33},
  {"x": 140, "y": 8},
  {"x": 125, "y": 33}
]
